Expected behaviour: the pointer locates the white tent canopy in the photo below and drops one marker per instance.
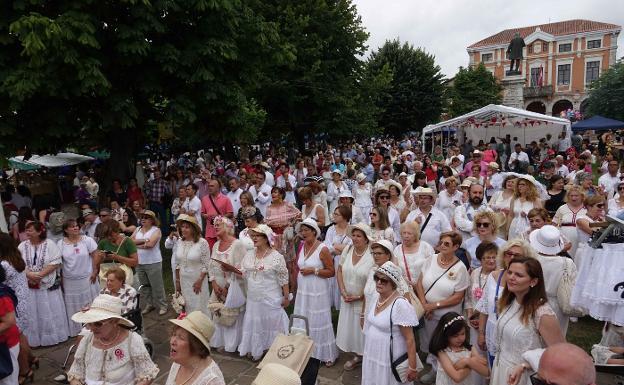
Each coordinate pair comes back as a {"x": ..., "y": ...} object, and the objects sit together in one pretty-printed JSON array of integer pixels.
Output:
[
  {"x": 497, "y": 121},
  {"x": 59, "y": 160}
]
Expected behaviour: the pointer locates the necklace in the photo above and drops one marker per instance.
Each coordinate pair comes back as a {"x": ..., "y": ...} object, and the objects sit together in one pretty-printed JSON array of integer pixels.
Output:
[
  {"x": 443, "y": 262},
  {"x": 107, "y": 345},
  {"x": 191, "y": 376},
  {"x": 259, "y": 262},
  {"x": 306, "y": 254},
  {"x": 381, "y": 304},
  {"x": 359, "y": 254}
]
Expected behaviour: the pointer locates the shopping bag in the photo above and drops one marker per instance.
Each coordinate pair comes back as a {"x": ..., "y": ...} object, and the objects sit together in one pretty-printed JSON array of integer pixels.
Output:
[{"x": 292, "y": 351}]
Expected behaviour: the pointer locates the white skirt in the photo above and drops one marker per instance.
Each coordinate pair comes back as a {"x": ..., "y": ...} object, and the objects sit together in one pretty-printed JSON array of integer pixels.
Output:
[
  {"x": 78, "y": 293},
  {"x": 49, "y": 318},
  {"x": 349, "y": 335},
  {"x": 228, "y": 337},
  {"x": 263, "y": 321}
]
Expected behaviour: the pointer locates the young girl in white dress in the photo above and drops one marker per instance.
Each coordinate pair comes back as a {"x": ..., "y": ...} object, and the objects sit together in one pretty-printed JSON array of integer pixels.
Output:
[{"x": 458, "y": 362}]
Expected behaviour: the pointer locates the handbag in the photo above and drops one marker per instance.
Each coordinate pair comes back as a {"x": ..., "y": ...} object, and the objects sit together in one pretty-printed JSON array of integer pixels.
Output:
[
  {"x": 293, "y": 351},
  {"x": 6, "y": 365},
  {"x": 178, "y": 302},
  {"x": 400, "y": 366},
  {"x": 564, "y": 291}
]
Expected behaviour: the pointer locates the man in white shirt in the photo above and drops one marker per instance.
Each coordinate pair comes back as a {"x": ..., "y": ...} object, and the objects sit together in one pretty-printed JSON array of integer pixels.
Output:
[
  {"x": 431, "y": 220},
  {"x": 287, "y": 181},
  {"x": 611, "y": 179},
  {"x": 464, "y": 214},
  {"x": 261, "y": 193},
  {"x": 234, "y": 194},
  {"x": 91, "y": 222},
  {"x": 192, "y": 205},
  {"x": 560, "y": 168},
  {"x": 564, "y": 143},
  {"x": 519, "y": 160}
]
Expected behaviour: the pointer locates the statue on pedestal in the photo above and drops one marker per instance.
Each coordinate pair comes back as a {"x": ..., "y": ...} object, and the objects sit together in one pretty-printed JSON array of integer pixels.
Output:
[{"x": 515, "y": 54}]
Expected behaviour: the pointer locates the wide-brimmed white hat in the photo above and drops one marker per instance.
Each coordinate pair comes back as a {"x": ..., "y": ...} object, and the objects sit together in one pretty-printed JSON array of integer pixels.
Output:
[
  {"x": 198, "y": 324},
  {"x": 346, "y": 194},
  {"x": 424, "y": 191},
  {"x": 386, "y": 244},
  {"x": 266, "y": 231},
  {"x": 103, "y": 307},
  {"x": 547, "y": 240},
  {"x": 494, "y": 165},
  {"x": 393, "y": 272},
  {"x": 360, "y": 177},
  {"x": 394, "y": 183},
  {"x": 276, "y": 374},
  {"x": 528, "y": 177},
  {"x": 337, "y": 171},
  {"x": 311, "y": 223},
  {"x": 363, "y": 227}
]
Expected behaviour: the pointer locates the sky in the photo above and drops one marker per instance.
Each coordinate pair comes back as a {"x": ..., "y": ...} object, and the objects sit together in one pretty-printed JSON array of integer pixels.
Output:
[{"x": 445, "y": 28}]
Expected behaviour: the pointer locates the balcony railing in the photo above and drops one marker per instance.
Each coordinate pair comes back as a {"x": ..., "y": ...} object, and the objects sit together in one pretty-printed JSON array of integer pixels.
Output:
[{"x": 539, "y": 91}]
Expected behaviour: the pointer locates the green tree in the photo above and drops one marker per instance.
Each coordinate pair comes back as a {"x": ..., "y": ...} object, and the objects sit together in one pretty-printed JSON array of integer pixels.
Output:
[
  {"x": 473, "y": 88},
  {"x": 415, "y": 96},
  {"x": 606, "y": 96},
  {"x": 324, "y": 89},
  {"x": 109, "y": 72}
]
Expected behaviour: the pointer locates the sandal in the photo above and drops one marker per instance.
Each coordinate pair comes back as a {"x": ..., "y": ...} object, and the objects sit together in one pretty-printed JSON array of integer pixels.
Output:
[
  {"x": 61, "y": 379},
  {"x": 26, "y": 378},
  {"x": 34, "y": 363},
  {"x": 352, "y": 364}
]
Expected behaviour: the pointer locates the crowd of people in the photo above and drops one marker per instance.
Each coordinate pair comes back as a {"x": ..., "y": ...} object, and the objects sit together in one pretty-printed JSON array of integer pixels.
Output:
[{"x": 462, "y": 255}]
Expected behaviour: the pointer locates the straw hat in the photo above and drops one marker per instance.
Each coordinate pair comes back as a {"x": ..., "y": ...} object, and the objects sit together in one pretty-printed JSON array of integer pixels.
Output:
[
  {"x": 363, "y": 227},
  {"x": 198, "y": 324},
  {"x": 189, "y": 219},
  {"x": 360, "y": 177},
  {"x": 337, "y": 171},
  {"x": 311, "y": 223},
  {"x": 104, "y": 307},
  {"x": 424, "y": 191},
  {"x": 391, "y": 271},
  {"x": 394, "y": 183},
  {"x": 547, "y": 240},
  {"x": 494, "y": 165},
  {"x": 528, "y": 178},
  {"x": 266, "y": 231},
  {"x": 276, "y": 374},
  {"x": 87, "y": 212},
  {"x": 151, "y": 214},
  {"x": 384, "y": 243}
]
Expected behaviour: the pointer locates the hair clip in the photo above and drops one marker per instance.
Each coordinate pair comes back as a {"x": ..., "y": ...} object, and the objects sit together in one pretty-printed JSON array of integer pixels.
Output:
[{"x": 458, "y": 318}]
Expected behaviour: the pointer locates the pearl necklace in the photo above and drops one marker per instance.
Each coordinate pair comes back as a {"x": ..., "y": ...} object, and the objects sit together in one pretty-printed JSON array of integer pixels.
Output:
[
  {"x": 109, "y": 344},
  {"x": 380, "y": 304},
  {"x": 359, "y": 254}
]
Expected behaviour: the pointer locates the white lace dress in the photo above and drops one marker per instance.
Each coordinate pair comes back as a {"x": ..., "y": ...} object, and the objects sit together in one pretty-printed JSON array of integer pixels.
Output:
[
  {"x": 349, "y": 336},
  {"x": 313, "y": 301},
  {"x": 520, "y": 224},
  {"x": 17, "y": 281},
  {"x": 443, "y": 379},
  {"x": 211, "y": 375},
  {"x": 514, "y": 338},
  {"x": 228, "y": 337},
  {"x": 125, "y": 363},
  {"x": 376, "y": 368},
  {"x": 264, "y": 316},
  {"x": 193, "y": 258}
]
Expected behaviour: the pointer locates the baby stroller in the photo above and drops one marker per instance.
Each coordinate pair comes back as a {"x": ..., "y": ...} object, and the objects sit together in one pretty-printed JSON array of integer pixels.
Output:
[{"x": 133, "y": 315}]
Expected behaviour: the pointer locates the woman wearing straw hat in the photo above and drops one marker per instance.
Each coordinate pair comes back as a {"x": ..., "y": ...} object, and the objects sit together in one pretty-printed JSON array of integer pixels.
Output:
[
  {"x": 431, "y": 220},
  {"x": 525, "y": 198},
  {"x": 149, "y": 270},
  {"x": 354, "y": 266},
  {"x": 313, "y": 299},
  {"x": 190, "y": 352},
  {"x": 266, "y": 277},
  {"x": 334, "y": 189},
  {"x": 389, "y": 315},
  {"x": 192, "y": 260},
  {"x": 111, "y": 354}
]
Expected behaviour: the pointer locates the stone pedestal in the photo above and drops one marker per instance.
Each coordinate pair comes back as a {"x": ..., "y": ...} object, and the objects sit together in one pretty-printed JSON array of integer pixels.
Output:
[{"x": 513, "y": 87}]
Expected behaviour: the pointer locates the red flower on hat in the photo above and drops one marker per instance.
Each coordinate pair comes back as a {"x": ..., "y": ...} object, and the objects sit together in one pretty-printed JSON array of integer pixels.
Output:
[{"x": 182, "y": 316}]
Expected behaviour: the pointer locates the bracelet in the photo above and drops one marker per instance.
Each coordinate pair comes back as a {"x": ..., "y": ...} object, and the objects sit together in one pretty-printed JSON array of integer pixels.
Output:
[{"x": 412, "y": 369}]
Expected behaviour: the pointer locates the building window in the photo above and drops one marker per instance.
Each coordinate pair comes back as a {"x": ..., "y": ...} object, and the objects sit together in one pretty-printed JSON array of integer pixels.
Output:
[
  {"x": 537, "y": 47},
  {"x": 563, "y": 74},
  {"x": 536, "y": 77},
  {"x": 591, "y": 44},
  {"x": 487, "y": 57},
  {"x": 592, "y": 71},
  {"x": 545, "y": 47},
  {"x": 566, "y": 47},
  {"x": 530, "y": 48}
]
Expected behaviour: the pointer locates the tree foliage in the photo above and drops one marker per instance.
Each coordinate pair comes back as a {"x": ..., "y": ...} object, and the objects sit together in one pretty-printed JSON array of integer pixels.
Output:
[
  {"x": 606, "y": 96},
  {"x": 106, "y": 72},
  {"x": 473, "y": 88},
  {"x": 415, "y": 96}
]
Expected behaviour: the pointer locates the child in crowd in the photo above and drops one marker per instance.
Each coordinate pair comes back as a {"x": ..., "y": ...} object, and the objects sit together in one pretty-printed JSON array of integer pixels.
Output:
[{"x": 458, "y": 362}]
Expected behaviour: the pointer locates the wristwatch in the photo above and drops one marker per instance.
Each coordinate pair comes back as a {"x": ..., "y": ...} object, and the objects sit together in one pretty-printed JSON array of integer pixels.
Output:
[
  {"x": 437, "y": 305},
  {"x": 316, "y": 271}
]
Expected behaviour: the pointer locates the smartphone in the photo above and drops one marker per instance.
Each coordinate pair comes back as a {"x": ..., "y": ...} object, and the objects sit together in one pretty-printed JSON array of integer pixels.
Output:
[{"x": 108, "y": 252}]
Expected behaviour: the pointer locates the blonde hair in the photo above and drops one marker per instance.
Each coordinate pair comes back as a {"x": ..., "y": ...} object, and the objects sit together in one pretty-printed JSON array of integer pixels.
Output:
[
  {"x": 489, "y": 215},
  {"x": 527, "y": 251},
  {"x": 412, "y": 226},
  {"x": 531, "y": 195},
  {"x": 577, "y": 189},
  {"x": 449, "y": 180}
]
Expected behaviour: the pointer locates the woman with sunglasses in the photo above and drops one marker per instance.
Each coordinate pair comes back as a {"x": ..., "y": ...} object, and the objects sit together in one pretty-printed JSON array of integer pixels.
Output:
[
  {"x": 380, "y": 225},
  {"x": 111, "y": 353},
  {"x": 441, "y": 288},
  {"x": 486, "y": 224},
  {"x": 487, "y": 305},
  {"x": 526, "y": 321},
  {"x": 390, "y": 315},
  {"x": 382, "y": 198},
  {"x": 566, "y": 216}
]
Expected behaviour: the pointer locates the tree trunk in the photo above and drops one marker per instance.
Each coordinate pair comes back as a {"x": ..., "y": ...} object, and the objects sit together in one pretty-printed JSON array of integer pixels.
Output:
[{"x": 122, "y": 162}]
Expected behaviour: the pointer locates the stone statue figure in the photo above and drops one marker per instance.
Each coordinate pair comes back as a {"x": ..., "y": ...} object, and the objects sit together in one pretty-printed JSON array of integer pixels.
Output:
[{"x": 515, "y": 52}]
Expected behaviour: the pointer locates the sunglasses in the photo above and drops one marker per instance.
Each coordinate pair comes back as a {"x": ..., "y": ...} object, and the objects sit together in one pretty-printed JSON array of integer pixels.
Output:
[
  {"x": 384, "y": 197},
  {"x": 512, "y": 254},
  {"x": 621, "y": 188},
  {"x": 600, "y": 205},
  {"x": 483, "y": 224},
  {"x": 381, "y": 279},
  {"x": 385, "y": 174},
  {"x": 447, "y": 244},
  {"x": 535, "y": 380}
]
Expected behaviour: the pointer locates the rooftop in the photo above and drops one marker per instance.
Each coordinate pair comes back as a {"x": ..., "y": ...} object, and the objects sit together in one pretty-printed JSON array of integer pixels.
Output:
[{"x": 561, "y": 28}]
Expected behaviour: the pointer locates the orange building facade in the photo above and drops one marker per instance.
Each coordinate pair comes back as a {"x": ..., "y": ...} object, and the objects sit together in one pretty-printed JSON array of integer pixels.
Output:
[{"x": 560, "y": 61}]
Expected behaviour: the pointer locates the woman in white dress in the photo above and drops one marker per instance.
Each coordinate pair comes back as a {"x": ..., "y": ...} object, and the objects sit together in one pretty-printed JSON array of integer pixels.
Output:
[
  {"x": 526, "y": 197},
  {"x": 266, "y": 277},
  {"x": 382, "y": 253},
  {"x": 310, "y": 209},
  {"x": 192, "y": 260},
  {"x": 380, "y": 225},
  {"x": 313, "y": 301},
  {"x": 566, "y": 215},
  {"x": 230, "y": 250},
  {"x": 337, "y": 239},
  {"x": 441, "y": 288},
  {"x": 354, "y": 266},
  {"x": 397, "y": 202},
  {"x": 363, "y": 193},
  {"x": 382, "y": 199},
  {"x": 334, "y": 189},
  {"x": 390, "y": 315},
  {"x": 190, "y": 352},
  {"x": 501, "y": 200},
  {"x": 47, "y": 308},
  {"x": 80, "y": 273},
  {"x": 525, "y": 322},
  {"x": 449, "y": 198},
  {"x": 412, "y": 253}
]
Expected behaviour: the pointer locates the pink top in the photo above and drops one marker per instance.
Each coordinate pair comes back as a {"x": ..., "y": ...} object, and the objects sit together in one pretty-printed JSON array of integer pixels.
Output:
[{"x": 224, "y": 206}]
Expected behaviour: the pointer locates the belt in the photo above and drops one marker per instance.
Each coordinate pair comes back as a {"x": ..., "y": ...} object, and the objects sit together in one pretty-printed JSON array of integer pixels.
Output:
[{"x": 568, "y": 225}]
